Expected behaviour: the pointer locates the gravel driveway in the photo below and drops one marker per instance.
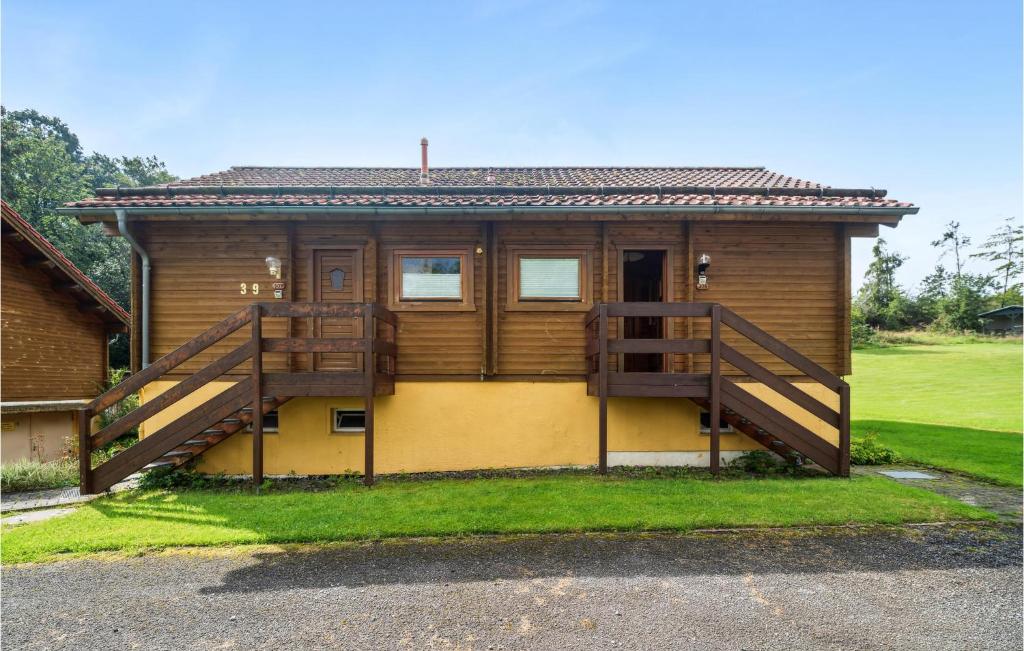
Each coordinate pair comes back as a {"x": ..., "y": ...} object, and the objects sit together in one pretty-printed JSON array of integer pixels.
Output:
[{"x": 924, "y": 587}]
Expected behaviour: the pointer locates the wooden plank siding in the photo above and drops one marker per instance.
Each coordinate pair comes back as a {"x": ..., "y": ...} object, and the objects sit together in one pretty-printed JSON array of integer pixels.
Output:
[
  {"x": 543, "y": 343},
  {"x": 780, "y": 277},
  {"x": 51, "y": 349},
  {"x": 787, "y": 278}
]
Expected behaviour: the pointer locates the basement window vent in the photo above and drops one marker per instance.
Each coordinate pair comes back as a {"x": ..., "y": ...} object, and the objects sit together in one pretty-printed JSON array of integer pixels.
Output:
[
  {"x": 269, "y": 423},
  {"x": 705, "y": 424},
  {"x": 348, "y": 420}
]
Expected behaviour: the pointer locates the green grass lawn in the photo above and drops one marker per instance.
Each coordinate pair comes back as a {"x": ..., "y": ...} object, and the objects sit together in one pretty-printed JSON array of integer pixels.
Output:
[
  {"x": 950, "y": 406},
  {"x": 563, "y": 503}
]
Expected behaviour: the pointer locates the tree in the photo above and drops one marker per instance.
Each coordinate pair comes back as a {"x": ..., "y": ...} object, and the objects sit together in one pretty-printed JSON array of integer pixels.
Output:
[
  {"x": 42, "y": 167},
  {"x": 882, "y": 301},
  {"x": 952, "y": 241},
  {"x": 107, "y": 172},
  {"x": 929, "y": 302},
  {"x": 969, "y": 296},
  {"x": 1004, "y": 248}
]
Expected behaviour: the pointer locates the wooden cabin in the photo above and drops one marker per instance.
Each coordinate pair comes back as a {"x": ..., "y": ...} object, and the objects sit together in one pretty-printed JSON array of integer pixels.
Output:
[
  {"x": 55, "y": 325},
  {"x": 1006, "y": 320},
  {"x": 408, "y": 320}
]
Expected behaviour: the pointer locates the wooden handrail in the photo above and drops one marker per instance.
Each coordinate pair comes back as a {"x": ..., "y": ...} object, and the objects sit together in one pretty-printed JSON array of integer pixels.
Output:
[
  {"x": 171, "y": 360},
  {"x": 210, "y": 373},
  {"x": 659, "y": 346},
  {"x": 660, "y": 309},
  {"x": 777, "y": 384},
  {"x": 782, "y": 351},
  {"x": 319, "y": 310}
]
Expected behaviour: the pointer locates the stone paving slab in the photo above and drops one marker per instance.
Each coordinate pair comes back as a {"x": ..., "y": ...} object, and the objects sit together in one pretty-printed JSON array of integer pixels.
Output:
[
  {"x": 25, "y": 501},
  {"x": 1005, "y": 501},
  {"x": 36, "y": 516}
]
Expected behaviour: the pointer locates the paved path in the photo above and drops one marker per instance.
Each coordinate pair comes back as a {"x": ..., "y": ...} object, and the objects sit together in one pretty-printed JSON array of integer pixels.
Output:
[
  {"x": 1005, "y": 501},
  {"x": 912, "y": 588},
  {"x": 25, "y": 501}
]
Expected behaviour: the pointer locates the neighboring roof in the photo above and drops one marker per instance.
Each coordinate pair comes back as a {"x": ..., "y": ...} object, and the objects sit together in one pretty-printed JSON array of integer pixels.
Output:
[
  {"x": 27, "y": 239},
  {"x": 466, "y": 188},
  {"x": 37, "y": 406},
  {"x": 1003, "y": 311}
]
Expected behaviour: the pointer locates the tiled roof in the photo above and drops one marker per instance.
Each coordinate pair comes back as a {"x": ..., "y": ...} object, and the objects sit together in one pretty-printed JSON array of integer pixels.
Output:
[
  {"x": 66, "y": 267},
  {"x": 492, "y": 187},
  {"x": 557, "y": 177}
]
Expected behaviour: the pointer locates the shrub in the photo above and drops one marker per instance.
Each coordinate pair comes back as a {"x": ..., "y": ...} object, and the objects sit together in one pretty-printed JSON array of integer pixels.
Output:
[
  {"x": 129, "y": 404},
  {"x": 33, "y": 475},
  {"x": 762, "y": 462},
  {"x": 867, "y": 451}
]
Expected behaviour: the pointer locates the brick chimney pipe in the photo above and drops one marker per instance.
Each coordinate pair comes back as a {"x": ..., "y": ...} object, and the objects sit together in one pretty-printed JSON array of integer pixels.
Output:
[{"x": 424, "y": 167}]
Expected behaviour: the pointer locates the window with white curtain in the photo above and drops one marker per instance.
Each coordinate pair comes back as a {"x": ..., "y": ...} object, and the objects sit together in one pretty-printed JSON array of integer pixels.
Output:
[
  {"x": 549, "y": 278},
  {"x": 431, "y": 278}
]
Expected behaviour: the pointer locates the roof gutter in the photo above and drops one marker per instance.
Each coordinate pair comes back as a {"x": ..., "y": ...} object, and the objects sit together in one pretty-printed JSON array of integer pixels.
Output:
[
  {"x": 492, "y": 210},
  {"x": 122, "y": 227}
]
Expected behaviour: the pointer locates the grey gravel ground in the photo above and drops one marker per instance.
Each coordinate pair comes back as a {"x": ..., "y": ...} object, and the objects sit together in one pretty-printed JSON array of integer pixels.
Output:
[{"x": 939, "y": 587}]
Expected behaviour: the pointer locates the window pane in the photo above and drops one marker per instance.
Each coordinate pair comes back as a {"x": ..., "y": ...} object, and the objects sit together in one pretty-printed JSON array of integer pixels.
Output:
[
  {"x": 432, "y": 277},
  {"x": 349, "y": 420},
  {"x": 549, "y": 278}
]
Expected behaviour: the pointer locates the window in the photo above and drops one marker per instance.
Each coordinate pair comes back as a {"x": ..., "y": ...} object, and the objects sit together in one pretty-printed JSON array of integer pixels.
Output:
[
  {"x": 705, "y": 424},
  {"x": 431, "y": 279},
  {"x": 348, "y": 420},
  {"x": 548, "y": 278},
  {"x": 270, "y": 423},
  {"x": 337, "y": 278}
]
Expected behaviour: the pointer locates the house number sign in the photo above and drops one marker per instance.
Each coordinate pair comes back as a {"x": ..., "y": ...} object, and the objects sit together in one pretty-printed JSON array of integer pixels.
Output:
[{"x": 254, "y": 289}]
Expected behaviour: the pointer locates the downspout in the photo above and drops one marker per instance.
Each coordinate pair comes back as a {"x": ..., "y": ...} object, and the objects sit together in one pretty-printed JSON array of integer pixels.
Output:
[{"x": 122, "y": 226}]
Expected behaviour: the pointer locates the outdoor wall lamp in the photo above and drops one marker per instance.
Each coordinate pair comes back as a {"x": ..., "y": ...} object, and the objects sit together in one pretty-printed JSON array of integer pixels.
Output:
[
  {"x": 703, "y": 262},
  {"x": 274, "y": 266}
]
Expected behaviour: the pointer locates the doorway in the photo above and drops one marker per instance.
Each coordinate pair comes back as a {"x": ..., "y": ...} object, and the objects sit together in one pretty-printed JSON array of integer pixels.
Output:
[
  {"x": 643, "y": 280},
  {"x": 337, "y": 278}
]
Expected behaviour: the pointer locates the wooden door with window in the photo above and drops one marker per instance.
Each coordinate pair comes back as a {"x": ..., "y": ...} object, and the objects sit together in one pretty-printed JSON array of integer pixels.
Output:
[{"x": 338, "y": 278}]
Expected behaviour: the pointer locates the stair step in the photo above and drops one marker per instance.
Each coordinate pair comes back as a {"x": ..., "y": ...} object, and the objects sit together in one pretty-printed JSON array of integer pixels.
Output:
[
  {"x": 197, "y": 442},
  {"x": 231, "y": 421},
  {"x": 213, "y": 431},
  {"x": 157, "y": 464},
  {"x": 176, "y": 454}
]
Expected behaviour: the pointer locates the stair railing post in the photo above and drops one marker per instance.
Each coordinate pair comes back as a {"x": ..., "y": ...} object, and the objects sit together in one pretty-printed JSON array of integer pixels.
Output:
[
  {"x": 257, "y": 397},
  {"x": 714, "y": 408},
  {"x": 369, "y": 377},
  {"x": 844, "y": 430},
  {"x": 85, "y": 486},
  {"x": 602, "y": 389}
]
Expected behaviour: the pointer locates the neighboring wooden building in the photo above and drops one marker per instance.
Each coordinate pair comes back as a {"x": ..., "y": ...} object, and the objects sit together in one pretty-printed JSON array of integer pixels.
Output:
[
  {"x": 508, "y": 304},
  {"x": 55, "y": 325},
  {"x": 1004, "y": 321}
]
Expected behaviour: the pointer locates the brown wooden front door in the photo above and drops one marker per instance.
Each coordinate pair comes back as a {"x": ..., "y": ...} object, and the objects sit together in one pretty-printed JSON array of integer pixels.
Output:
[{"x": 338, "y": 278}]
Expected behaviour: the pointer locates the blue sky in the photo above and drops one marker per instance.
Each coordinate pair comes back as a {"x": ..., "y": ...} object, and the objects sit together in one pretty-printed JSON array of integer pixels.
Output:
[{"x": 923, "y": 99}]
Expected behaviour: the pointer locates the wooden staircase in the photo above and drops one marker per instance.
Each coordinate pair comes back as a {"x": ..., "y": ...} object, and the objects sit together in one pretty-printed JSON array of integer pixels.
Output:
[
  {"x": 230, "y": 411},
  {"x": 722, "y": 394}
]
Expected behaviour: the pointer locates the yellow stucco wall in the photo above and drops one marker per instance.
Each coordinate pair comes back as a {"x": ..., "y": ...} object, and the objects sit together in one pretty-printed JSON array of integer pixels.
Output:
[{"x": 429, "y": 426}]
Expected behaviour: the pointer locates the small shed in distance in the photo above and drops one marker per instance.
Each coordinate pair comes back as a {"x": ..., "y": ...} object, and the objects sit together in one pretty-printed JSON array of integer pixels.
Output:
[
  {"x": 55, "y": 326},
  {"x": 1005, "y": 320}
]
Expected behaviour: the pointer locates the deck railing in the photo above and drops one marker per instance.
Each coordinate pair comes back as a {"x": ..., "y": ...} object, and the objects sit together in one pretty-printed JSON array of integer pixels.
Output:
[
  {"x": 708, "y": 387},
  {"x": 378, "y": 362}
]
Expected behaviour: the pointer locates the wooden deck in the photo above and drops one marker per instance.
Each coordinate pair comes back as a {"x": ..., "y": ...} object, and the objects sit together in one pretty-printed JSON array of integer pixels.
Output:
[
  {"x": 722, "y": 395},
  {"x": 372, "y": 358}
]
